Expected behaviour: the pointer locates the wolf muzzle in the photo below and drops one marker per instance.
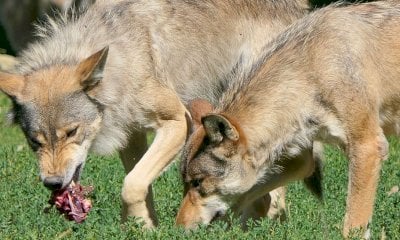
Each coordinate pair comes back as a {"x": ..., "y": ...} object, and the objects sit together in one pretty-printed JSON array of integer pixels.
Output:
[{"x": 53, "y": 182}]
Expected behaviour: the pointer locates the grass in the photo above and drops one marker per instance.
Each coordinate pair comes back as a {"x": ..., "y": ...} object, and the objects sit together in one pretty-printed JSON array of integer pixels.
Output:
[{"x": 23, "y": 198}]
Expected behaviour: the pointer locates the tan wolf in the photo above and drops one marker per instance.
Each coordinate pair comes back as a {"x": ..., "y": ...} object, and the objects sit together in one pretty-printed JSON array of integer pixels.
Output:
[
  {"x": 333, "y": 76},
  {"x": 271, "y": 205},
  {"x": 101, "y": 80}
]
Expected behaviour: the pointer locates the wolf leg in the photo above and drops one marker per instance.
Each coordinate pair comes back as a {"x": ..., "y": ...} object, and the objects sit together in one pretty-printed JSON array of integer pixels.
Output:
[
  {"x": 130, "y": 155},
  {"x": 277, "y": 208},
  {"x": 273, "y": 204},
  {"x": 365, "y": 154},
  {"x": 314, "y": 181},
  {"x": 169, "y": 139},
  {"x": 257, "y": 210}
]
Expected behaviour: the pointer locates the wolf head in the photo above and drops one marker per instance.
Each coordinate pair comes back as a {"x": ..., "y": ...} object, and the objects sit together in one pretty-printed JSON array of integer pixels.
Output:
[
  {"x": 56, "y": 109},
  {"x": 215, "y": 166}
]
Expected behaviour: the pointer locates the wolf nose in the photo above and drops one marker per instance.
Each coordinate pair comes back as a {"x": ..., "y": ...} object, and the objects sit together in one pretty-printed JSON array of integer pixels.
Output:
[{"x": 53, "y": 183}]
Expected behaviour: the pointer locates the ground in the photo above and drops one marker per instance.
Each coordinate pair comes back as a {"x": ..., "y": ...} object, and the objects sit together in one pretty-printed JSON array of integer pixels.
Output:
[{"x": 23, "y": 200}]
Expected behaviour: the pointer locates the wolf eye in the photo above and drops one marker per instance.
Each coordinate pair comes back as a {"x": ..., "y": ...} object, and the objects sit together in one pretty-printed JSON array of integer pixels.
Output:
[
  {"x": 35, "y": 143},
  {"x": 71, "y": 132},
  {"x": 196, "y": 182}
]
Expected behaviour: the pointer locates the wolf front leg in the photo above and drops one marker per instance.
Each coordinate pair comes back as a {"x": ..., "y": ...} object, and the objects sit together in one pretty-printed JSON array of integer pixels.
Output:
[
  {"x": 307, "y": 165},
  {"x": 170, "y": 137},
  {"x": 271, "y": 205},
  {"x": 365, "y": 154},
  {"x": 130, "y": 155}
]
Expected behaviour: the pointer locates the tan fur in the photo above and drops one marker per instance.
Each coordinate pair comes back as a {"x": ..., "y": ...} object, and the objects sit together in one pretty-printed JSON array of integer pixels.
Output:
[
  {"x": 191, "y": 205},
  {"x": 199, "y": 108},
  {"x": 11, "y": 84},
  {"x": 270, "y": 205},
  {"x": 35, "y": 89},
  {"x": 162, "y": 54},
  {"x": 331, "y": 77}
]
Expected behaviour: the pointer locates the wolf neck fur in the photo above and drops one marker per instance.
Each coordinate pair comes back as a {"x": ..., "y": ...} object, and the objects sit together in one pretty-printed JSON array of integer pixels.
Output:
[{"x": 260, "y": 93}]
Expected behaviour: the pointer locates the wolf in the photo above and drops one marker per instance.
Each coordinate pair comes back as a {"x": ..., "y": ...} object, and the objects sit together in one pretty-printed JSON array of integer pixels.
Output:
[
  {"x": 100, "y": 79},
  {"x": 330, "y": 77},
  {"x": 271, "y": 205}
]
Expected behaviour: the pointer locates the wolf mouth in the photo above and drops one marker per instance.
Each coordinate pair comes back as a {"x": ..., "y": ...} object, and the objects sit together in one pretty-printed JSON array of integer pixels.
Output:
[{"x": 77, "y": 174}]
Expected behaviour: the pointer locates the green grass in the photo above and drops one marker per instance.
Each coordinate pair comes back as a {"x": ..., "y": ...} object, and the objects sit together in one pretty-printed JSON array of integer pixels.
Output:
[{"x": 23, "y": 198}]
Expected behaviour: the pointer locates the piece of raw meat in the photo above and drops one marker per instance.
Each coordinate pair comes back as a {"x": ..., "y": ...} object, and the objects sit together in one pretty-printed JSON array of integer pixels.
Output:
[{"x": 72, "y": 201}]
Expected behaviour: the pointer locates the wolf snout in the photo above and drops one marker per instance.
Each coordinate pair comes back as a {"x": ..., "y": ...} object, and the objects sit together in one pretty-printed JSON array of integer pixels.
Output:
[{"x": 53, "y": 183}]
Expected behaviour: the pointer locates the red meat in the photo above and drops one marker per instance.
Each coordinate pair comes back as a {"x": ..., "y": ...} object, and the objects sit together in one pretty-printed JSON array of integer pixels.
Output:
[{"x": 71, "y": 202}]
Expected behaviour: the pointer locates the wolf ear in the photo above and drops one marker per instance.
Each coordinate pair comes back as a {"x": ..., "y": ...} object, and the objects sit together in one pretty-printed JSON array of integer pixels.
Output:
[
  {"x": 11, "y": 84},
  {"x": 217, "y": 127},
  {"x": 90, "y": 71},
  {"x": 199, "y": 108}
]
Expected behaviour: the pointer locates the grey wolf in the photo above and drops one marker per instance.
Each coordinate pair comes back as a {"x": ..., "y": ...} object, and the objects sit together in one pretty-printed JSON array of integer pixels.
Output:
[
  {"x": 197, "y": 167},
  {"x": 102, "y": 79},
  {"x": 331, "y": 77}
]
